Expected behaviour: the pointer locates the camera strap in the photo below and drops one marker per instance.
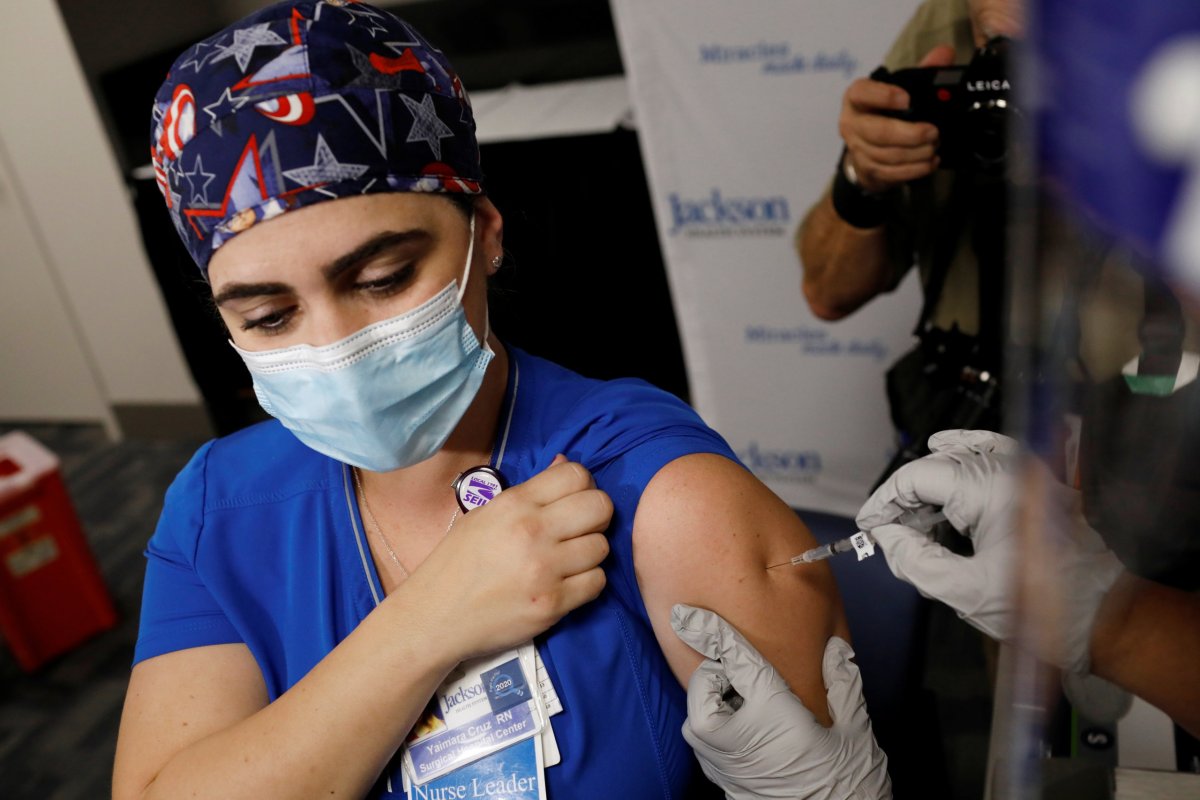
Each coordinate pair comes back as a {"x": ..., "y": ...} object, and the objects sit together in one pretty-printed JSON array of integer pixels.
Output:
[
  {"x": 951, "y": 221},
  {"x": 978, "y": 204},
  {"x": 989, "y": 242}
]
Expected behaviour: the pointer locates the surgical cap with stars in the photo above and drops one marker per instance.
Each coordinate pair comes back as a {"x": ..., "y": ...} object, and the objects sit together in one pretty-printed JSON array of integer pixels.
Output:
[{"x": 301, "y": 102}]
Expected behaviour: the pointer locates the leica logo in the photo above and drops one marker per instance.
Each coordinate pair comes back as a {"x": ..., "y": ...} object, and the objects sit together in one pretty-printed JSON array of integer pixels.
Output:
[{"x": 997, "y": 85}]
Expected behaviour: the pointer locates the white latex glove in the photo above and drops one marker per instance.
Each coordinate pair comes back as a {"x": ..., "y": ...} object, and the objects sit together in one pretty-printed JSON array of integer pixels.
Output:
[
  {"x": 769, "y": 744},
  {"x": 972, "y": 476}
]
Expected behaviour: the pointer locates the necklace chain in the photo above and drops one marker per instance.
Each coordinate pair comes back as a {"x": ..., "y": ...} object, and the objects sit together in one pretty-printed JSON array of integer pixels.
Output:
[{"x": 404, "y": 573}]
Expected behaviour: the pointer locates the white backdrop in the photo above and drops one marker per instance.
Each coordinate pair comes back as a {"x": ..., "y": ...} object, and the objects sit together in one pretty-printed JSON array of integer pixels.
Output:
[{"x": 736, "y": 104}]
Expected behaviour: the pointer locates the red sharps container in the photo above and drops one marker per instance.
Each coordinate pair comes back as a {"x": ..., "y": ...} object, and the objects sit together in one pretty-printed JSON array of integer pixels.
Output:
[{"x": 51, "y": 594}]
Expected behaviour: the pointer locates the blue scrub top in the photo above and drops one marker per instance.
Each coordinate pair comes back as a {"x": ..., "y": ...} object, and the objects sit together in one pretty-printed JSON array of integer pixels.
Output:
[{"x": 260, "y": 542}]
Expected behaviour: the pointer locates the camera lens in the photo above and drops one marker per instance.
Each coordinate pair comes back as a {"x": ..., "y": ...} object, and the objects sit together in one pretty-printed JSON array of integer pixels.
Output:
[
  {"x": 987, "y": 132},
  {"x": 989, "y": 107}
]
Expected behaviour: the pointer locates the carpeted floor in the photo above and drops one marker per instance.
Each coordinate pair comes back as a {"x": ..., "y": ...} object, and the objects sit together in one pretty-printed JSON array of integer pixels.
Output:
[{"x": 58, "y": 726}]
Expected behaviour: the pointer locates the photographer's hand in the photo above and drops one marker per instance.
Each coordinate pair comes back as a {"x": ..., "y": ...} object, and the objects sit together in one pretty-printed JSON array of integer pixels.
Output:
[
  {"x": 845, "y": 264},
  {"x": 882, "y": 151}
]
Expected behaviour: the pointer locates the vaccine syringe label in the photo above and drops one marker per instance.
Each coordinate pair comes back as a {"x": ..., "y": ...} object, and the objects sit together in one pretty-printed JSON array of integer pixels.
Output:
[{"x": 863, "y": 545}]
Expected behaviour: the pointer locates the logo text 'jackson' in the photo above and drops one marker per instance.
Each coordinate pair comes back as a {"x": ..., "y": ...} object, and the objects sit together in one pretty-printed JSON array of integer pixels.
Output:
[{"x": 715, "y": 214}]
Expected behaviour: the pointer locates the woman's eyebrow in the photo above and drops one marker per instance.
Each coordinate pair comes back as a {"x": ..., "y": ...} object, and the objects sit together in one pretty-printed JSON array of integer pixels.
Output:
[
  {"x": 379, "y": 243},
  {"x": 240, "y": 291},
  {"x": 372, "y": 247}
]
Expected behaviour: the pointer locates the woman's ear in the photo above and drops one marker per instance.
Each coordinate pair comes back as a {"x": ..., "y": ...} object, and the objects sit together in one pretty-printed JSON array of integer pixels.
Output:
[{"x": 490, "y": 225}]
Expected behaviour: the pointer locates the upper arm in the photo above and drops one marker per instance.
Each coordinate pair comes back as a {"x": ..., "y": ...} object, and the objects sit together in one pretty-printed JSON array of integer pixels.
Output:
[
  {"x": 177, "y": 699},
  {"x": 704, "y": 533}
]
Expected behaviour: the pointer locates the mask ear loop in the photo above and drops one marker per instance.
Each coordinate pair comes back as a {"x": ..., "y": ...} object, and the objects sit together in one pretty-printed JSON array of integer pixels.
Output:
[{"x": 462, "y": 288}]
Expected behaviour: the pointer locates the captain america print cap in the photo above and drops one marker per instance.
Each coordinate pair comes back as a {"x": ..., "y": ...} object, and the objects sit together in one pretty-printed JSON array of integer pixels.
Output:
[{"x": 304, "y": 101}]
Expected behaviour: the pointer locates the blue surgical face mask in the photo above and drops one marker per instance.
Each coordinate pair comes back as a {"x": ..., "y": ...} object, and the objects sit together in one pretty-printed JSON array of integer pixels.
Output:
[{"x": 385, "y": 397}]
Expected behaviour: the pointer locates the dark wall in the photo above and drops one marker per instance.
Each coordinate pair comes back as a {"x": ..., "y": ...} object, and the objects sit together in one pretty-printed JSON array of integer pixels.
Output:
[{"x": 585, "y": 285}]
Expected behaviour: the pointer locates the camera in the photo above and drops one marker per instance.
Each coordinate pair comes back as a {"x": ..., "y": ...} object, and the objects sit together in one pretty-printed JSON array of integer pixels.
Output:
[{"x": 971, "y": 105}]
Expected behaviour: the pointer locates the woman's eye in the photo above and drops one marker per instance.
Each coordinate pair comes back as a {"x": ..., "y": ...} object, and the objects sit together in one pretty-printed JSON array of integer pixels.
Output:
[
  {"x": 386, "y": 284},
  {"x": 272, "y": 323}
]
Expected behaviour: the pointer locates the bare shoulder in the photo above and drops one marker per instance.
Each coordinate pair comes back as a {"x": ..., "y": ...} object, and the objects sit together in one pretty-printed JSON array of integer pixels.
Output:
[{"x": 704, "y": 534}]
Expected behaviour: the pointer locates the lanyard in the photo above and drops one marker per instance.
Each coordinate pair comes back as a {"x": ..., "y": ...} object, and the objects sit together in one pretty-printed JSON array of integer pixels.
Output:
[{"x": 488, "y": 482}]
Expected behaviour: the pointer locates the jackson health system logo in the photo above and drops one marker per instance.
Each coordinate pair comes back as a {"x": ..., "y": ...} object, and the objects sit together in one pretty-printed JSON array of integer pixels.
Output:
[
  {"x": 793, "y": 466},
  {"x": 715, "y": 213}
]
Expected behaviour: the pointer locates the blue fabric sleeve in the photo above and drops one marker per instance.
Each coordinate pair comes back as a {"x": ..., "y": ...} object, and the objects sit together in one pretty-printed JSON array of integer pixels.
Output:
[
  {"x": 630, "y": 420},
  {"x": 178, "y": 612},
  {"x": 630, "y": 431}
]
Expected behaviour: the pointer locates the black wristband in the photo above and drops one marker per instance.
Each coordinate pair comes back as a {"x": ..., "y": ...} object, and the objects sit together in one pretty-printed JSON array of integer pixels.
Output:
[{"x": 855, "y": 206}]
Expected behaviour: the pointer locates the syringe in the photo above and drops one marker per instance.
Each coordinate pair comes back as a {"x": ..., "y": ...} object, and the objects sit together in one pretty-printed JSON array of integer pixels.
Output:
[{"x": 922, "y": 519}]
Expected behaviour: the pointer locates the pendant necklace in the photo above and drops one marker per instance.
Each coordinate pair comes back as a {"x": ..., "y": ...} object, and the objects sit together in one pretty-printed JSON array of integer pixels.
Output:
[{"x": 404, "y": 573}]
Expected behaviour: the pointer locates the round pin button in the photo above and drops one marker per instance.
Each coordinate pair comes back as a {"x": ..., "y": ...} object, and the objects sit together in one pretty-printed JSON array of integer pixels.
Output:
[{"x": 478, "y": 486}]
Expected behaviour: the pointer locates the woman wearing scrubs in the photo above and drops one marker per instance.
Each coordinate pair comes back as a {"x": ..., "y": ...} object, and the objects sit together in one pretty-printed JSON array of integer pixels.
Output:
[{"x": 314, "y": 579}]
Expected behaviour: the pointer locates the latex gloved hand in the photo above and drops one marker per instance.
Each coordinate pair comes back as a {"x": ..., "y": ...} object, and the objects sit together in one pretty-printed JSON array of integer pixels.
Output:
[
  {"x": 972, "y": 476},
  {"x": 765, "y": 743}
]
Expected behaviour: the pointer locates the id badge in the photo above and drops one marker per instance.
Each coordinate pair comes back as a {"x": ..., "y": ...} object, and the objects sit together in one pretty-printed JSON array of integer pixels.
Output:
[
  {"x": 516, "y": 773},
  {"x": 485, "y": 705}
]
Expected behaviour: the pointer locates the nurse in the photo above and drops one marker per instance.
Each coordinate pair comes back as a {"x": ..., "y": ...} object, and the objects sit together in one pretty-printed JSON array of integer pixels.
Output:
[{"x": 313, "y": 579}]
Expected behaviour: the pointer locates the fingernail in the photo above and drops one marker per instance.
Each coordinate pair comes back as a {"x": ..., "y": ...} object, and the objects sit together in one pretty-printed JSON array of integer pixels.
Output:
[{"x": 931, "y": 135}]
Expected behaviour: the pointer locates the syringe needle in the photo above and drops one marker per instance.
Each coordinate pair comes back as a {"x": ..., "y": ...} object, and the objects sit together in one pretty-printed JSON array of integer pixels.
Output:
[
  {"x": 921, "y": 519},
  {"x": 818, "y": 553}
]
